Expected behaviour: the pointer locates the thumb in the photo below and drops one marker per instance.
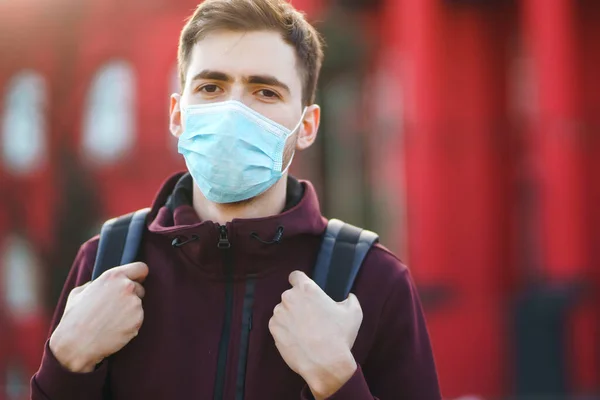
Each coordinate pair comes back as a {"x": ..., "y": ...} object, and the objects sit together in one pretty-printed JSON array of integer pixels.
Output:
[
  {"x": 136, "y": 271},
  {"x": 298, "y": 278},
  {"x": 351, "y": 302}
]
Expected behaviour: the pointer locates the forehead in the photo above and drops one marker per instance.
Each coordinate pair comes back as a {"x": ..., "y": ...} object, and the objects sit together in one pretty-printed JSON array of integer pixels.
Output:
[{"x": 242, "y": 54}]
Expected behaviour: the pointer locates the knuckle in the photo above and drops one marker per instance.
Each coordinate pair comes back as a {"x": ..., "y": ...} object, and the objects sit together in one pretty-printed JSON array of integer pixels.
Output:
[
  {"x": 137, "y": 302},
  {"x": 287, "y": 296},
  {"x": 111, "y": 274},
  {"x": 129, "y": 286},
  {"x": 132, "y": 305},
  {"x": 309, "y": 287},
  {"x": 139, "y": 320},
  {"x": 272, "y": 324},
  {"x": 278, "y": 309}
]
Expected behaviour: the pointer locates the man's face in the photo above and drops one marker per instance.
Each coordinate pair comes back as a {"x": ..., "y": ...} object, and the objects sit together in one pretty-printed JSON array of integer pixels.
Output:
[{"x": 256, "y": 68}]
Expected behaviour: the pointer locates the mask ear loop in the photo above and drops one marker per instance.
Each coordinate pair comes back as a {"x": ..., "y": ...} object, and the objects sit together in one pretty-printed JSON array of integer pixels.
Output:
[{"x": 291, "y": 133}]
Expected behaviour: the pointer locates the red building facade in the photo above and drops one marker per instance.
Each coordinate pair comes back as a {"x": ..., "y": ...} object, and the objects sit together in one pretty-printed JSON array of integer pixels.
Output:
[{"x": 479, "y": 143}]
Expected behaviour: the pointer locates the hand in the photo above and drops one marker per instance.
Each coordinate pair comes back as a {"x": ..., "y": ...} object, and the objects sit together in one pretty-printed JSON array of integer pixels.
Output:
[
  {"x": 100, "y": 318},
  {"x": 315, "y": 335}
]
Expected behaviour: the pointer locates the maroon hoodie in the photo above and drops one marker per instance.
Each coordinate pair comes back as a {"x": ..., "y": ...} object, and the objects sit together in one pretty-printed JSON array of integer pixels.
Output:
[{"x": 205, "y": 332}]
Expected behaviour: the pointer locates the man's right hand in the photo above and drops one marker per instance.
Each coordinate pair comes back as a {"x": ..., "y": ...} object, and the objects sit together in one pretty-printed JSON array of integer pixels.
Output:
[{"x": 100, "y": 318}]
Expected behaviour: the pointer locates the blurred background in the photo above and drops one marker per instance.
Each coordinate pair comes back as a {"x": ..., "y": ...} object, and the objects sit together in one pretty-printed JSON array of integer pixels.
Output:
[{"x": 466, "y": 133}]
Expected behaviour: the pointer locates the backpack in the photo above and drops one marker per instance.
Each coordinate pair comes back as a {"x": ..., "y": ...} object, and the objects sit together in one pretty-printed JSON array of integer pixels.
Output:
[{"x": 343, "y": 250}]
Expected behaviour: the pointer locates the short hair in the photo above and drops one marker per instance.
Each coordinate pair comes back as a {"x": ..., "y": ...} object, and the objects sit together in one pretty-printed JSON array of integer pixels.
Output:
[{"x": 257, "y": 15}]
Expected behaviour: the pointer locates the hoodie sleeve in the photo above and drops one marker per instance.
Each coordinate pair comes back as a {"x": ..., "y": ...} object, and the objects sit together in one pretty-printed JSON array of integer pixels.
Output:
[
  {"x": 52, "y": 381},
  {"x": 400, "y": 364}
]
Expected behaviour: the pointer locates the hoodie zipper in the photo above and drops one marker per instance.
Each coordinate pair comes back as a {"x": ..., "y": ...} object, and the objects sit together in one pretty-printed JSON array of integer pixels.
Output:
[
  {"x": 225, "y": 246},
  {"x": 240, "y": 382}
]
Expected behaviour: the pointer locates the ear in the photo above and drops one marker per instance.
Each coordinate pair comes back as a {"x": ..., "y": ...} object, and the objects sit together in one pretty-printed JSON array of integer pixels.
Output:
[
  {"x": 307, "y": 134},
  {"x": 175, "y": 115}
]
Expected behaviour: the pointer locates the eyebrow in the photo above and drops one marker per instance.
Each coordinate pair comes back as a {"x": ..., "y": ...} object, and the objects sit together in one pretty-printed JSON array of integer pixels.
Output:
[
  {"x": 267, "y": 80},
  {"x": 213, "y": 75},
  {"x": 253, "y": 79}
]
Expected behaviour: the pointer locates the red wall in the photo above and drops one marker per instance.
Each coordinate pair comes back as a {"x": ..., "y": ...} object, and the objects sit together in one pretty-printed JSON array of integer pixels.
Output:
[{"x": 456, "y": 153}]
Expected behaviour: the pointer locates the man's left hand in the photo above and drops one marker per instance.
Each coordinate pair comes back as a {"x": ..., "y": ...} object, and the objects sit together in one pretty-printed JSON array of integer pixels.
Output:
[{"x": 315, "y": 335}]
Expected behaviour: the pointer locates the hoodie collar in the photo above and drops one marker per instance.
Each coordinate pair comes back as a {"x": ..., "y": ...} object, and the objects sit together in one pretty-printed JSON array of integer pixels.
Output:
[
  {"x": 173, "y": 218},
  {"x": 180, "y": 202}
]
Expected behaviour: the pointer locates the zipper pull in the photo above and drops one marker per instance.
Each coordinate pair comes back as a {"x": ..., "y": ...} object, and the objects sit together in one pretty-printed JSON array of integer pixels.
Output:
[{"x": 223, "y": 239}]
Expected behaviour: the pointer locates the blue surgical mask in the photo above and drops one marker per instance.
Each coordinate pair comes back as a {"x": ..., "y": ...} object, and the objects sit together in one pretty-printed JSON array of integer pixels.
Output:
[{"x": 233, "y": 152}]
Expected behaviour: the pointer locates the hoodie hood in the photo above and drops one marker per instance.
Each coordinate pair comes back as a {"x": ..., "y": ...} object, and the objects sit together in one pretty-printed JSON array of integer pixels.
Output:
[{"x": 173, "y": 219}]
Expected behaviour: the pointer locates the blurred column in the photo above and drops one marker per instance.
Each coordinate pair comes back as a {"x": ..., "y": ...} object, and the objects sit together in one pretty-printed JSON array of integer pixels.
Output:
[
  {"x": 5, "y": 323},
  {"x": 592, "y": 38},
  {"x": 590, "y": 12},
  {"x": 453, "y": 56},
  {"x": 28, "y": 55},
  {"x": 343, "y": 172},
  {"x": 559, "y": 136},
  {"x": 120, "y": 126},
  {"x": 558, "y": 128}
]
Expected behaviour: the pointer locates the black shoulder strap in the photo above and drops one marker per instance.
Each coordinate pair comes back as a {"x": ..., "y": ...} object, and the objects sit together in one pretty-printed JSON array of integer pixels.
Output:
[
  {"x": 343, "y": 250},
  {"x": 120, "y": 240}
]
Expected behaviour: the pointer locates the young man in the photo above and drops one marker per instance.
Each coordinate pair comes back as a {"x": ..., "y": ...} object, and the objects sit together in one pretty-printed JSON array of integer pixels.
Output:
[{"x": 229, "y": 310}]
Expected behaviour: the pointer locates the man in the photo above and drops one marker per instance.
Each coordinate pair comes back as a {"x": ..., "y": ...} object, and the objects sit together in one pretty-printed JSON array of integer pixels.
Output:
[{"x": 228, "y": 309}]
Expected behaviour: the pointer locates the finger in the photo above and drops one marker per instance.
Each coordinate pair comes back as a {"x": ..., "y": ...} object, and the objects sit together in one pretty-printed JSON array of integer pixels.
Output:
[
  {"x": 278, "y": 310},
  {"x": 136, "y": 271},
  {"x": 351, "y": 302},
  {"x": 275, "y": 327},
  {"x": 298, "y": 278},
  {"x": 287, "y": 297},
  {"x": 139, "y": 290},
  {"x": 140, "y": 320},
  {"x": 272, "y": 326}
]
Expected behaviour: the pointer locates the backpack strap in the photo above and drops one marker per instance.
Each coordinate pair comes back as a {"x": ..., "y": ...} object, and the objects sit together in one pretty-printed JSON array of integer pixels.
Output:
[
  {"x": 120, "y": 240},
  {"x": 343, "y": 250}
]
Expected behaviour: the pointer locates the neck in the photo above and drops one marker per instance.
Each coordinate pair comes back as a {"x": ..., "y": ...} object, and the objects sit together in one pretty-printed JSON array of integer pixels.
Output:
[{"x": 271, "y": 202}]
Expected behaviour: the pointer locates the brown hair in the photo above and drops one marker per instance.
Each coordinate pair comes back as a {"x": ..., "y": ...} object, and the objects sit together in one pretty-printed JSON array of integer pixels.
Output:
[{"x": 255, "y": 15}]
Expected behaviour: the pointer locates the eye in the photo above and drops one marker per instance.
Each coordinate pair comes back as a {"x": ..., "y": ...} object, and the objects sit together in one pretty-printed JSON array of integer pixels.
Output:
[
  {"x": 210, "y": 88},
  {"x": 268, "y": 94}
]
